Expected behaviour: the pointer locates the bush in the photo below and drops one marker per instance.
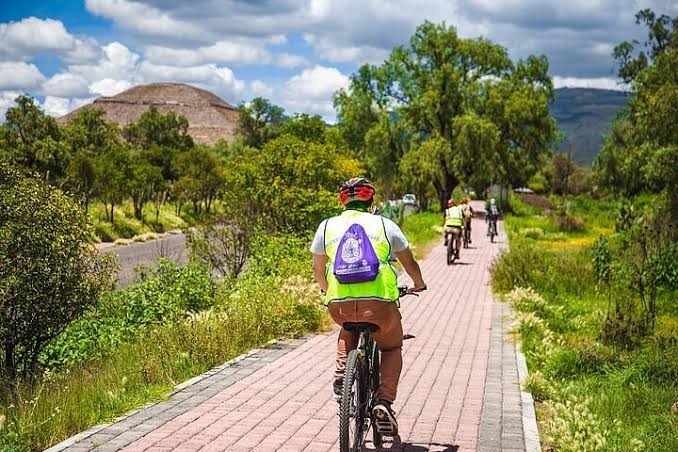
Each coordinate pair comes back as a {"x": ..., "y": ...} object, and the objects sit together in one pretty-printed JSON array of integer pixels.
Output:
[
  {"x": 48, "y": 278},
  {"x": 166, "y": 293}
]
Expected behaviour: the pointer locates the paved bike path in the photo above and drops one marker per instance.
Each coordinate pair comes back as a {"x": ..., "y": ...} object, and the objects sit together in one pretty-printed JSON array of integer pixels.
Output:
[{"x": 458, "y": 389}]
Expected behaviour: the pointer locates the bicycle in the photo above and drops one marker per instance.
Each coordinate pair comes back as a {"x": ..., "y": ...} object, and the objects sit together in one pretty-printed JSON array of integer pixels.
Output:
[
  {"x": 451, "y": 248},
  {"x": 359, "y": 393},
  {"x": 493, "y": 230},
  {"x": 465, "y": 236}
]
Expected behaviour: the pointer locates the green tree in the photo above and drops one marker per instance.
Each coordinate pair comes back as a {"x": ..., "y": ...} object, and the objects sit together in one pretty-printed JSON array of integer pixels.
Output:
[
  {"x": 48, "y": 277},
  {"x": 260, "y": 121},
  {"x": 201, "y": 178},
  {"x": 167, "y": 130},
  {"x": 305, "y": 127},
  {"x": 491, "y": 114},
  {"x": 639, "y": 152},
  {"x": 31, "y": 139},
  {"x": 88, "y": 138}
]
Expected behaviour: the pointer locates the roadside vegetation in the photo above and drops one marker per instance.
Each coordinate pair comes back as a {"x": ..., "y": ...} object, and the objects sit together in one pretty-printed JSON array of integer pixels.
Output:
[{"x": 593, "y": 278}]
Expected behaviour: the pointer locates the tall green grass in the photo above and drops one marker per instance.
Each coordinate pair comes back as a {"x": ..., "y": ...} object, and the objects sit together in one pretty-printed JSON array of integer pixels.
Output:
[
  {"x": 591, "y": 396},
  {"x": 142, "y": 341},
  {"x": 420, "y": 229}
]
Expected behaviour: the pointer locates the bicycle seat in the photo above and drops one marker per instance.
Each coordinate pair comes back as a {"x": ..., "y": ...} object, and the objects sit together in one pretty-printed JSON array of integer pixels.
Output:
[{"x": 360, "y": 326}]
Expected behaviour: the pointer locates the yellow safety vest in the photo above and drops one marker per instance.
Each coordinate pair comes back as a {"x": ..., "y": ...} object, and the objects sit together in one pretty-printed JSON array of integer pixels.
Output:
[
  {"x": 453, "y": 217},
  {"x": 385, "y": 285}
]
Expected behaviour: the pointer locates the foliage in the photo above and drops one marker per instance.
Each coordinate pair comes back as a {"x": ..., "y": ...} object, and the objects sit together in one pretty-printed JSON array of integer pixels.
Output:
[
  {"x": 643, "y": 143},
  {"x": 163, "y": 130},
  {"x": 478, "y": 116},
  {"x": 259, "y": 121},
  {"x": 596, "y": 394},
  {"x": 175, "y": 324},
  {"x": 31, "y": 139},
  {"x": 166, "y": 293},
  {"x": 48, "y": 278}
]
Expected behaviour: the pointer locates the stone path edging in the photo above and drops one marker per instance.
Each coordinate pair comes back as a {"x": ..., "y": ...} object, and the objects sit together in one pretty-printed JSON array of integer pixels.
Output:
[
  {"x": 530, "y": 428},
  {"x": 257, "y": 354}
]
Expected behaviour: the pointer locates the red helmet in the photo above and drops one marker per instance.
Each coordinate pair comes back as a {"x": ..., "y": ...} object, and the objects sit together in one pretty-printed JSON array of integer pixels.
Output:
[
  {"x": 451, "y": 203},
  {"x": 356, "y": 189}
]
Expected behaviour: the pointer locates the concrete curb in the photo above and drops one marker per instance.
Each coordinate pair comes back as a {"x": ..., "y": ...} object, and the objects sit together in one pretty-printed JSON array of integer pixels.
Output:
[
  {"x": 65, "y": 444},
  {"x": 530, "y": 429}
]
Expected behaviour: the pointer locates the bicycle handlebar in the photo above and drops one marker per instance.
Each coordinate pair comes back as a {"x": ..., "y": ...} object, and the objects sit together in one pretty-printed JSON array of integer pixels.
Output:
[{"x": 404, "y": 291}]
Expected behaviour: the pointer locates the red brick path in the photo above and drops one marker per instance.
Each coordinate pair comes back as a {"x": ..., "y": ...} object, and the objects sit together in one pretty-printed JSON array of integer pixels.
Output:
[{"x": 287, "y": 403}]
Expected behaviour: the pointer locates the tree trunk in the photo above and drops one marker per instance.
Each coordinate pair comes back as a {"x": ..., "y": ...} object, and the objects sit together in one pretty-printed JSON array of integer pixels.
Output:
[{"x": 112, "y": 207}]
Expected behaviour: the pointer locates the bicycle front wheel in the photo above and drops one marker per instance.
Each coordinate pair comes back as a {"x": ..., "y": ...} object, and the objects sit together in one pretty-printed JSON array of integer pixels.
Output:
[{"x": 351, "y": 419}]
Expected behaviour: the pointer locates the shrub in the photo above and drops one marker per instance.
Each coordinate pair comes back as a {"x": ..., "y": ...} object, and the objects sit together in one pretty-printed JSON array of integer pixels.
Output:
[
  {"x": 48, "y": 278},
  {"x": 533, "y": 233},
  {"x": 166, "y": 293}
]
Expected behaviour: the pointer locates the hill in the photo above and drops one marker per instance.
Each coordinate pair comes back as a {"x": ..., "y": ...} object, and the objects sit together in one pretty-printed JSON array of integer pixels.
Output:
[
  {"x": 585, "y": 114},
  {"x": 209, "y": 117}
]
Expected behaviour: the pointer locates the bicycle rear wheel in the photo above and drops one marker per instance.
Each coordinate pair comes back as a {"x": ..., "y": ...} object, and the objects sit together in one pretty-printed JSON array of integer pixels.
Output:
[
  {"x": 450, "y": 250},
  {"x": 351, "y": 420}
]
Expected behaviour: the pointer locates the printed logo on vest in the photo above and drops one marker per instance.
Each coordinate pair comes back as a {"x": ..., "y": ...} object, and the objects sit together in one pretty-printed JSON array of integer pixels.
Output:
[{"x": 356, "y": 260}]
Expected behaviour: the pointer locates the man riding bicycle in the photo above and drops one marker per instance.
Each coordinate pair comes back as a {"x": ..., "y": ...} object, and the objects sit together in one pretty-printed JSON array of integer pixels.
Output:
[
  {"x": 346, "y": 248},
  {"x": 467, "y": 212},
  {"x": 491, "y": 215},
  {"x": 453, "y": 223}
]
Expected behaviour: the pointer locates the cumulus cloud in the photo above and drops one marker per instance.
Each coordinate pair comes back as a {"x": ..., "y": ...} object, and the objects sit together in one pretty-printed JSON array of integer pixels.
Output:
[
  {"x": 289, "y": 60},
  {"x": 31, "y": 36},
  {"x": 599, "y": 83},
  {"x": 66, "y": 84},
  {"x": 220, "y": 52},
  {"x": 17, "y": 75},
  {"x": 6, "y": 101},
  {"x": 260, "y": 89},
  {"x": 109, "y": 87},
  {"x": 311, "y": 91}
]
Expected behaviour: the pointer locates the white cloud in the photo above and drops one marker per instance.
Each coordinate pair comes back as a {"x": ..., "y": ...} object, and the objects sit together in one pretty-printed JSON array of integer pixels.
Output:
[
  {"x": 66, "y": 84},
  {"x": 219, "y": 52},
  {"x": 17, "y": 75},
  {"x": 290, "y": 60},
  {"x": 31, "y": 36},
  {"x": 216, "y": 78},
  {"x": 59, "y": 106},
  {"x": 599, "y": 83},
  {"x": 7, "y": 100},
  {"x": 109, "y": 87},
  {"x": 260, "y": 89},
  {"x": 145, "y": 19},
  {"x": 311, "y": 91}
]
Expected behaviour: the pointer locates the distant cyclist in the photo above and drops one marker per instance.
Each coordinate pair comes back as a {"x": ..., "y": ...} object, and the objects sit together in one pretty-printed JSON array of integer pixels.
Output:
[
  {"x": 467, "y": 212},
  {"x": 491, "y": 215},
  {"x": 454, "y": 219},
  {"x": 351, "y": 264}
]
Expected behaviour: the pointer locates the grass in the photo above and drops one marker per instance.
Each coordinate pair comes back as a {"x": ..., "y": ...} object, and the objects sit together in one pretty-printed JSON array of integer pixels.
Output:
[
  {"x": 421, "y": 229},
  {"x": 162, "y": 345},
  {"x": 126, "y": 226},
  {"x": 591, "y": 396}
]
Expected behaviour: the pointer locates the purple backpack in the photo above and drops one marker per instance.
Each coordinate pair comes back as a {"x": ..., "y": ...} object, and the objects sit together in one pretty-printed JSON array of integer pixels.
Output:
[{"x": 356, "y": 260}]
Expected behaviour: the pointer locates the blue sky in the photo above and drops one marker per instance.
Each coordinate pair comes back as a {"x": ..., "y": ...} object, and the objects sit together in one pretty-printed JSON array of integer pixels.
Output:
[{"x": 295, "y": 52}]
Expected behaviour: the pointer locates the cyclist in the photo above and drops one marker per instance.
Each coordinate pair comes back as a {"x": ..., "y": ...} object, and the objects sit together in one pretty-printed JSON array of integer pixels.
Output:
[
  {"x": 491, "y": 215},
  {"x": 375, "y": 301},
  {"x": 453, "y": 223},
  {"x": 467, "y": 212}
]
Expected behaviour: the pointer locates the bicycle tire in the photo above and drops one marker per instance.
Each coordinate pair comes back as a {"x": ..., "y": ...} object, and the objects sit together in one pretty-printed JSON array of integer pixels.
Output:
[
  {"x": 348, "y": 396},
  {"x": 465, "y": 238},
  {"x": 377, "y": 438},
  {"x": 450, "y": 250}
]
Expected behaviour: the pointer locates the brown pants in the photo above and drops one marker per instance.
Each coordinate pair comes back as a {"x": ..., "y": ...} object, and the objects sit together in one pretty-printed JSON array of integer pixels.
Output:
[{"x": 389, "y": 337}]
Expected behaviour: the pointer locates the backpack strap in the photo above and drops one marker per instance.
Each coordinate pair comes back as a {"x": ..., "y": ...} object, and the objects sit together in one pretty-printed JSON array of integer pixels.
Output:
[
  {"x": 325, "y": 234},
  {"x": 383, "y": 225}
]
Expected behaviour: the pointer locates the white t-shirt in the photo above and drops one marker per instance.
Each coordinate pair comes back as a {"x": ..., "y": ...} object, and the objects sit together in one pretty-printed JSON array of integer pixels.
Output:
[{"x": 394, "y": 235}]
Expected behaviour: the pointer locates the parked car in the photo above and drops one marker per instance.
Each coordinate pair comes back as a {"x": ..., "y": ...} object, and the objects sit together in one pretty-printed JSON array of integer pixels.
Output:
[{"x": 409, "y": 199}]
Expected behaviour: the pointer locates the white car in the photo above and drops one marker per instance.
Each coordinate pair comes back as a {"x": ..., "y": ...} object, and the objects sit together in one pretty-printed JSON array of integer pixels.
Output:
[{"x": 409, "y": 199}]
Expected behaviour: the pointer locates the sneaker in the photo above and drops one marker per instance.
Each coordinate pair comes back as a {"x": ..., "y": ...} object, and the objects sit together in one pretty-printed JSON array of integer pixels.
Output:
[
  {"x": 338, "y": 388},
  {"x": 384, "y": 418}
]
